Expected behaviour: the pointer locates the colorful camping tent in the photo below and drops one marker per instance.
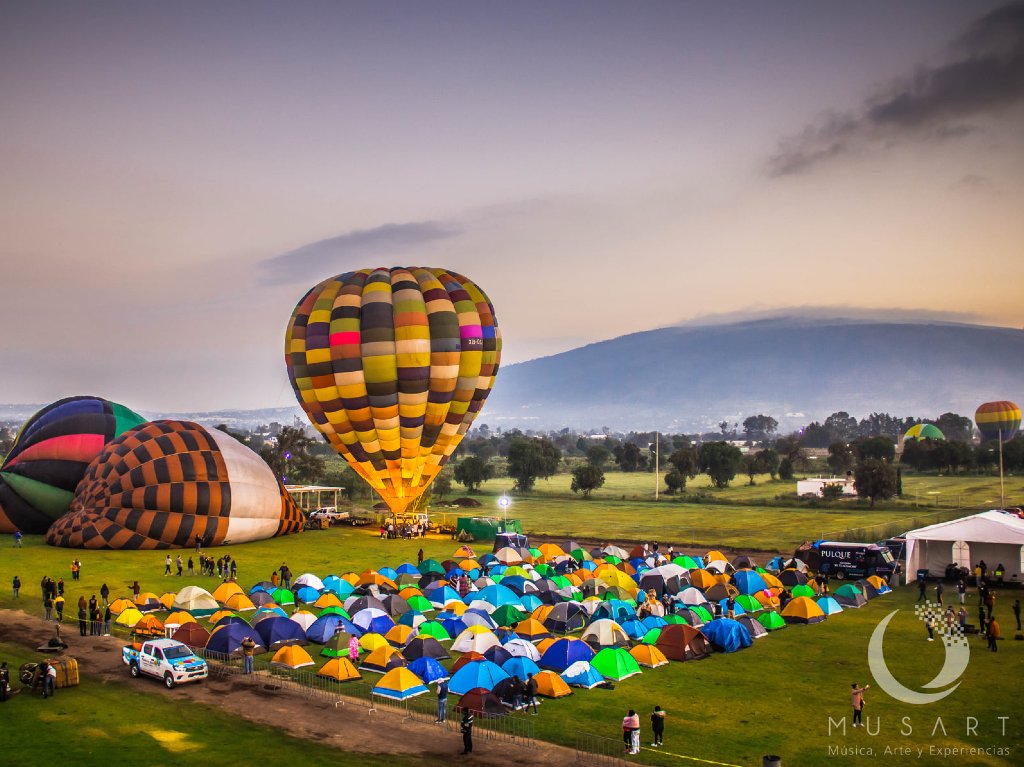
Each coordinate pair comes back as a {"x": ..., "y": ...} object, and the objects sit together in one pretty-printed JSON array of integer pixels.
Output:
[
  {"x": 615, "y": 663},
  {"x": 292, "y": 656},
  {"x": 727, "y": 635},
  {"x": 399, "y": 684},
  {"x": 802, "y": 610},
  {"x": 680, "y": 641},
  {"x": 339, "y": 669},
  {"x": 476, "y": 674}
]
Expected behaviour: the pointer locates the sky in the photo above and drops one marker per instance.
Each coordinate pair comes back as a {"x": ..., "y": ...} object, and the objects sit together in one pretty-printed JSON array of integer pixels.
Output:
[{"x": 177, "y": 175}]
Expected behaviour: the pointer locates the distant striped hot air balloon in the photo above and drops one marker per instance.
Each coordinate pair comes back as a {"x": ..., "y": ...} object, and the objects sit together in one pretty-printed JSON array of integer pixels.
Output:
[
  {"x": 392, "y": 365},
  {"x": 998, "y": 420}
]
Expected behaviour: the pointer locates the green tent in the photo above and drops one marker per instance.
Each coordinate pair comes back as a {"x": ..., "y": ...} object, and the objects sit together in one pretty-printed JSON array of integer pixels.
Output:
[
  {"x": 651, "y": 637},
  {"x": 803, "y": 590},
  {"x": 421, "y": 603},
  {"x": 748, "y": 603},
  {"x": 846, "y": 590},
  {"x": 580, "y": 555},
  {"x": 702, "y": 613},
  {"x": 687, "y": 562},
  {"x": 337, "y": 646},
  {"x": 282, "y": 597},
  {"x": 615, "y": 663},
  {"x": 335, "y": 610},
  {"x": 675, "y": 619},
  {"x": 612, "y": 560},
  {"x": 544, "y": 570},
  {"x": 507, "y": 615},
  {"x": 771, "y": 620},
  {"x": 434, "y": 629},
  {"x": 430, "y": 566},
  {"x": 486, "y": 528}
]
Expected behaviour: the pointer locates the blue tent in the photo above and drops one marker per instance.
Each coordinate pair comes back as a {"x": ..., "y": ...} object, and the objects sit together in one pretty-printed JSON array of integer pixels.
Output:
[
  {"x": 406, "y": 568},
  {"x": 275, "y": 632},
  {"x": 616, "y": 609},
  {"x": 326, "y": 626},
  {"x": 531, "y": 602},
  {"x": 475, "y": 617},
  {"x": 232, "y": 619},
  {"x": 498, "y": 654},
  {"x": 441, "y": 595},
  {"x": 267, "y": 612},
  {"x": 582, "y": 674},
  {"x": 478, "y": 673},
  {"x": 453, "y": 625},
  {"x": 518, "y": 584},
  {"x": 498, "y": 595},
  {"x": 307, "y": 594},
  {"x": 412, "y": 618},
  {"x": 654, "y": 622},
  {"x": 428, "y": 669},
  {"x": 387, "y": 572},
  {"x": 829, "y": 606},
  {"x": 371, "y": 619},
  {"x": 227, "y": 640},
  {"x": 634, "y": 629},
  {"x": 749, "y": 581},
  {"x": 564, "y": 652},
  {"x": 520, "y": 667},
  {"x": 727, "y": 635},
  {"x": 737, "y": 608}
]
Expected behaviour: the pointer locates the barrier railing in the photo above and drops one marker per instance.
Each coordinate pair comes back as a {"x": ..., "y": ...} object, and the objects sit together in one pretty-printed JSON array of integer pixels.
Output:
[{"x": 599, "y": 750}]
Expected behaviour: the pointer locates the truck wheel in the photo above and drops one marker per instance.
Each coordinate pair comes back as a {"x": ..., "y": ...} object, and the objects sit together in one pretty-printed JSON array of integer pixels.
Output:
[
  {"x": 133, "y": 669},
  {"x": 168, "y": 681}
]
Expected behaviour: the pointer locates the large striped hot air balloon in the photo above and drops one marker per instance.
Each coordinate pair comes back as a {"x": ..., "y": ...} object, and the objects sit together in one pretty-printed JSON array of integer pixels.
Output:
[
  {"x": 392, "y": 366},
  {"x": 998, "y": 420},
  {"x": 39, "y": 475},
  {"x": 163, "y": 483}
]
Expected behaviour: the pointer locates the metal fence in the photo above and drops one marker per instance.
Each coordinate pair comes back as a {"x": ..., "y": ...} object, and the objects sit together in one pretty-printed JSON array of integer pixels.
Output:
[
  {"x": 599, "y": 750},
  {"x": 505, "y": 728}
]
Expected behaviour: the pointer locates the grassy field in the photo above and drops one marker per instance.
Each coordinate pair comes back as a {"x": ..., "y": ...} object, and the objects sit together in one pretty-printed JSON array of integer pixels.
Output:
[
  {"x": 761, "y": 517},
  {"x": 773, "y": 698},
  {"x": 97, "y": 724}
]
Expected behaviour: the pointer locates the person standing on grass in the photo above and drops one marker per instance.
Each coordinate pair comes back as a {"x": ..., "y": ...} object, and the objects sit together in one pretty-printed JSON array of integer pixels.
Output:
[
  {"x": 442, "y": 701},
  {"x": 938, "y": 593},
  {"x": 631, "y": 732},
  {"x": 16, "y": 585},
  {"x": 961, "y": 590},
  {"x": 658, "y": 726},
  {"x": 857, "y": 696},
  {"x": 191, "y": 566},
  {"x": 167, "y": 565},
  {"x": 58, "y": 605},
  {"x": 353, "y": 649},
  {"x": 17, "y": 540},
  {"x": 248, "y": 651},
  {"x": 466, "y": 727},
  {"x": 929, "y": 623},
  {"x": 180, "y": 564},
  {"x": 993, "y": 635},
  {"x": 234, "y": 568},
  {"x": 106, "y": 620},
  {"x": 1016, "y": 613},
  {"x": 136, "y": 590},
  {"x": 922, "y": 589},
  {"x": 104, "y": 593},
  {"x": 82, "y": 616},
  {"x": 531, "y": 693},
  {"x": 48, "y": 606},
  {"x": 60, "y": 587}
]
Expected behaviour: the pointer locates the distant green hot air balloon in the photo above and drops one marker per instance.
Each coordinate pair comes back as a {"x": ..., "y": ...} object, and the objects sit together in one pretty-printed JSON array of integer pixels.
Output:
[{"x": 924, "y": 431}]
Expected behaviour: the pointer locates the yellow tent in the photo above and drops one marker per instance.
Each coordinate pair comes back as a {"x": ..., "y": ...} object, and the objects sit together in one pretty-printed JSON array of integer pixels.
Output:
[
  {"x": 220, "y": 614},
  {"x": 551, "y": 685},
  {"x": 464, "y": 551},
  {"x": 118, "y": 606},
  {"x": 129, "y": 617},
  {"x": 648, "y": 655},
  {"x": 714, "y": 555},
  {"x": 340, "y": 670},
  {"x": 239, "y": 603},
  {"x": 292, "y": 656},
  {"x": 226, "y": 589},
  {"x": 551, "y": 550},
  {"x": 372, "y": 641},
  {"x": 178, "y": 618},
  {"x": 877, "y": 582},
  {"x": 167, "y": 600}
]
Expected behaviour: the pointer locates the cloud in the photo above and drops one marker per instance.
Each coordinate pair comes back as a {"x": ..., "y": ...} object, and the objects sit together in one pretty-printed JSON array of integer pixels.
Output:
[
  {"x": 983, "y": 74},
  {"x": 978, "y": 184},
  {"x": 334, "y": 255}
]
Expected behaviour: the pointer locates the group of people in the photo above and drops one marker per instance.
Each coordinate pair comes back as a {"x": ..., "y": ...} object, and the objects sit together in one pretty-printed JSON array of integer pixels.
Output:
[
  {"x": 388, "y": 530},
  {"x": 988, "y": 627},
  {"x": 631, "y": 730},
  {"x": 282, "y": 576}
]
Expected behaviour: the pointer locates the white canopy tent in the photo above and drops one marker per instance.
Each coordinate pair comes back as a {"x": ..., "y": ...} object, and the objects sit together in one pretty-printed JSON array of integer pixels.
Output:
[{"x": 992, "y": 536}]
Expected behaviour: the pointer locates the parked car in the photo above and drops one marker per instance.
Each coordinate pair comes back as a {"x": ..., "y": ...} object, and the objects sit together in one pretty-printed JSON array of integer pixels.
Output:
[{"x": 165, "y": 659}]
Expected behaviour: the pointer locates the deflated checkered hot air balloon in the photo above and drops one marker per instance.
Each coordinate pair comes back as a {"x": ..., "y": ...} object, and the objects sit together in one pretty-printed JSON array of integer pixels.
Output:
[
  {"x": 392, "y": 366},
  {"x": 163, "y": 483},
  {"x": 39, "y": 476}
]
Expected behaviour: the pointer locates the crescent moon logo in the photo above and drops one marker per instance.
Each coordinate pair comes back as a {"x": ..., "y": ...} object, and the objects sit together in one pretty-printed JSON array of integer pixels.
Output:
[{"x": 958, "y": 654}]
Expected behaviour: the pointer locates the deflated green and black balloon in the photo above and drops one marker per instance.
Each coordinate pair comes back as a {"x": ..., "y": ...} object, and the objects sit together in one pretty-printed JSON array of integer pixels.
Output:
[{"x": 39, "y": 476}]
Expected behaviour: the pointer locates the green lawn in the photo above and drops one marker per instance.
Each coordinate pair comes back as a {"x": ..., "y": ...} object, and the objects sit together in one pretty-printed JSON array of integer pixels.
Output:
[
  {"x": 97, "y": 724},
  {"x": 773, "y": 698}
]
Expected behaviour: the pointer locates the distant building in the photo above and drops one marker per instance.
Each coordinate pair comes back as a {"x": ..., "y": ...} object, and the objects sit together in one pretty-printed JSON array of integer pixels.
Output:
[{"x": 816, "y": 485}]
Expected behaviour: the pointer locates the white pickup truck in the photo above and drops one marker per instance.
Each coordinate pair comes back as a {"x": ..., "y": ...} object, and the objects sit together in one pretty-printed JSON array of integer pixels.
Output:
[{"x": 165, "y": 659}]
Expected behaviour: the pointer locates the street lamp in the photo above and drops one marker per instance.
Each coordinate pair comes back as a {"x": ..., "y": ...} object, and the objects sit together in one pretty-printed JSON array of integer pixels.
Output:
[{"x": 503, "y": 503}]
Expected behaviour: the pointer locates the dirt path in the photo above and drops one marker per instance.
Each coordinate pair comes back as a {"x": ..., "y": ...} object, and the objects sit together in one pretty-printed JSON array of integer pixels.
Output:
[{"x": 350, "y": 727}]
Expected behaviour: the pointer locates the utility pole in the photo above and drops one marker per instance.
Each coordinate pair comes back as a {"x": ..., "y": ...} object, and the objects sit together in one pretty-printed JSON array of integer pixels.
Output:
[{"x": 657, "y": 463}]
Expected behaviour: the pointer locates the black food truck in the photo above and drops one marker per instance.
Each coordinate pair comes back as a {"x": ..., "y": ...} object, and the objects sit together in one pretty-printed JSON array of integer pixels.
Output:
[{"x": 848, "y": 560}]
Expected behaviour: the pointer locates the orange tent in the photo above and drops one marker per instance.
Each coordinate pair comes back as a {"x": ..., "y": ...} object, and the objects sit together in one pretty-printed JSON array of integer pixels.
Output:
[
  {"x": 226, "y": 589},
  {"x": 340, "y": 670},
  {"x": 551, "y": 685},
  {"x": 292, "y": 656}
]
